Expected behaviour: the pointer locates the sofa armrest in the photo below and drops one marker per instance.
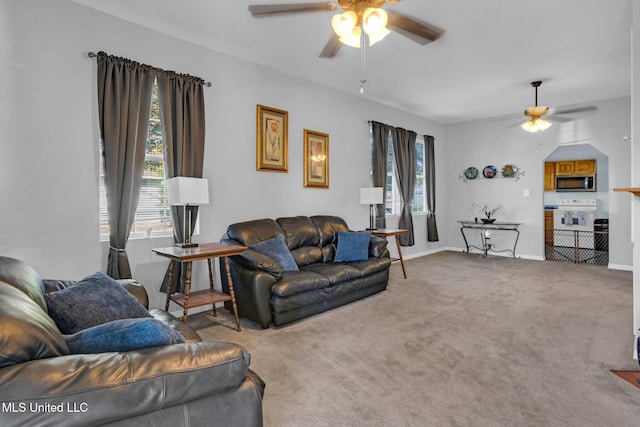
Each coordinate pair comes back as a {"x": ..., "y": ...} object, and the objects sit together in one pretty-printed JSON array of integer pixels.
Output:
[
  {"x": 257, "y": 261},
  {"x": 108, "y": 387},
  {"x": 378, "y": 246}
]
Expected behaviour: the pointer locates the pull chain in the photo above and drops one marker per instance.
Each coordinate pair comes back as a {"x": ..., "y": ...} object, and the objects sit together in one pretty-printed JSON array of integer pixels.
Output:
[{"x": 363, "y": 44}]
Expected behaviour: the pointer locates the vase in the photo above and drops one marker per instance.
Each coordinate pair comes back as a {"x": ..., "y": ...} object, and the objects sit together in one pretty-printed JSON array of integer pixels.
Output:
[{"x": 488, "y": 220}]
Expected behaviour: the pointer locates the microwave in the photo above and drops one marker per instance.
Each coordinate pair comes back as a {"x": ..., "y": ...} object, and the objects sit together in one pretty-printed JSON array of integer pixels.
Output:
[{"x": 575, "y": 183}]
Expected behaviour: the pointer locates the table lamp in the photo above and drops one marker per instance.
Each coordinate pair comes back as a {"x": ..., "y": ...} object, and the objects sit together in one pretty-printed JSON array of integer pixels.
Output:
[
  {"x": 371, "y": 196},
  {"x": 186, "y": 191}
]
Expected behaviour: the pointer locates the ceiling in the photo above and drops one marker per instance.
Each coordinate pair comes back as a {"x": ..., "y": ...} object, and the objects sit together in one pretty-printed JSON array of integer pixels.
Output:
[{"x": 481, "y": 67}]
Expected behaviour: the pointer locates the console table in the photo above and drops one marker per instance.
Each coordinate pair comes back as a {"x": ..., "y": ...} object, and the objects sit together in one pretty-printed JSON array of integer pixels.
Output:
[
  {"x": 486, "y": 241},
  {"x": 186, "y": 256}
]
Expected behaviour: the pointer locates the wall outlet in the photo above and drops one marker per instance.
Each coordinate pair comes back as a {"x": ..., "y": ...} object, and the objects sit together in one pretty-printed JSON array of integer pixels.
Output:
[{"x": 525, "y": 193}]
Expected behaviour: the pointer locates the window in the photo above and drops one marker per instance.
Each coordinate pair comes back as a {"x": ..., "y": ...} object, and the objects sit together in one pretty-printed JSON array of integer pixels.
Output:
[
  {"x": 153, "y": 215},
  {"x": 392, "y": 199}
]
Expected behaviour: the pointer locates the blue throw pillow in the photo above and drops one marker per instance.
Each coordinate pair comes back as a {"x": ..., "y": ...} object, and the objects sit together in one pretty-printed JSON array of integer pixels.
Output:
[
  {"x": 123, "y": 335},
  {"x": 352, "y": 246},
  {"x": 94, "y": 300},
  {"x": 277, "y": 249}
]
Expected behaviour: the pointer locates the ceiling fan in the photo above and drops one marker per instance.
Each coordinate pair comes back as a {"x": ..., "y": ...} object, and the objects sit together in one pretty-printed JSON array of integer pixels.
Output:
[
  {"x": 537, "y": 123},
  {"x": 361, "y": 20}
]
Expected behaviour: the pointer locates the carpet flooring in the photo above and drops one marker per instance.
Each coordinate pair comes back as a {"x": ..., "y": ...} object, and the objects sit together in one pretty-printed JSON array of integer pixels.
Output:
[{"x": 464, "y": 341}]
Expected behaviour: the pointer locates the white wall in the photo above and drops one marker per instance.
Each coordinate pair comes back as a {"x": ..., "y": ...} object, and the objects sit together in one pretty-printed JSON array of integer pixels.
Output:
[
  {"x": 634, "y": 161},
  {"x": 498, "y": 142},
  {"x": 49, "y": 147},
  {"x": 49, "y": 140}
]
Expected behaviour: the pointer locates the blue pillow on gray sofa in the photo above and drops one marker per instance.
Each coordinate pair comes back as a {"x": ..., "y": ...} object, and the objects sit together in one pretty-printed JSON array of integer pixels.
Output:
[
  {"x": 123, "y": 335},
  {"x": 94, "y": 300},
  {"x": 277, "y": 249},
  {"x": 352, "y": 246}
]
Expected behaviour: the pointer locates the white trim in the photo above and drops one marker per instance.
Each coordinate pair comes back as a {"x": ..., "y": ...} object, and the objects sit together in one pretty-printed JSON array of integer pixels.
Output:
[{"x": 620, "y": 267}]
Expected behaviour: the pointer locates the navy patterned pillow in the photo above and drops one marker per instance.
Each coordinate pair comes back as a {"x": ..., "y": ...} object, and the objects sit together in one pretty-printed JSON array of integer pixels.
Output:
[
  {"x": 94, "y": 300},
  {"x": 277, "y": 249}
]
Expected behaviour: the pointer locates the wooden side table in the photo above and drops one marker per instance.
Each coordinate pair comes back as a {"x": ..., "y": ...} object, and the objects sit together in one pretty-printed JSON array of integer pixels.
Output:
[
  {"x": 386, "y": 232},
  {"x": 186, "y": 256}
]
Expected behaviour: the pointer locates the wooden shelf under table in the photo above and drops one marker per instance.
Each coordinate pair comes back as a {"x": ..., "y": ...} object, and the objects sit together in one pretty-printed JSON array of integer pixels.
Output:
[{"x": 200, "y": 298}]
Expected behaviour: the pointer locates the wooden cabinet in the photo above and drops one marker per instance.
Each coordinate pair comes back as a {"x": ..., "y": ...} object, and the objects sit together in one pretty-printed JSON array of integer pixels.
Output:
[
  {"x": 585, "y": 167},
  {"x": 549, "y": 176},
  {"x": 575, "y": 167},
  {"x": 548, "y": 228}
]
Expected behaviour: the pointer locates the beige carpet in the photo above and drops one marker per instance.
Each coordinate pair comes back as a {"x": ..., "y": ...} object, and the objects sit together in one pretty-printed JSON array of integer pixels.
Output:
[{"x": 464, "y": 341}]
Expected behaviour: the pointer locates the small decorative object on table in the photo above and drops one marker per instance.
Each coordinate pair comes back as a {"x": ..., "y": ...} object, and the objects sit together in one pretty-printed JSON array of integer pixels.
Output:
[{"x": 482, "y": 207}]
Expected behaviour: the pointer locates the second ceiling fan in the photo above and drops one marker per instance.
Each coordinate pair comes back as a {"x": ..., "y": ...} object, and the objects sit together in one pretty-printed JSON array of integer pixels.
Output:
[
  {"x": 360, "y": 20},
  {"x": 537, "y": 123}
]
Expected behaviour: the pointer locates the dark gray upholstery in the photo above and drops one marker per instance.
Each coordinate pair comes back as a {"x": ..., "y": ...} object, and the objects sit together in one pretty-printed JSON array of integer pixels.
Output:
[
  {"x": 194, "y": 383},
  {"x": 266, "y": 294}
]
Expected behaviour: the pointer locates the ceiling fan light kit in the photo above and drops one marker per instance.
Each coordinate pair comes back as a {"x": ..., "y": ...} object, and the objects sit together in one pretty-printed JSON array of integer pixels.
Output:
[
  {"x": 536, "y": 123},
  {"x": 344, "y": 23}
]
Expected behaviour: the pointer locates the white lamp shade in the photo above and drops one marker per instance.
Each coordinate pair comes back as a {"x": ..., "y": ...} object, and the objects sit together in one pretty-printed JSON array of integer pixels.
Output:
[
  {"x": 371, "y": 195},
  {"x": 188, "y": 191}
]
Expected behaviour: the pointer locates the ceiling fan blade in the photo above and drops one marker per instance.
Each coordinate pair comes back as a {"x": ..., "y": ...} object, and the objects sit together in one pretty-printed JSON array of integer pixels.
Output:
[
  {"x": 571, "y": 110},
  {"x": 560, "y": 119},
  {"x": 418, "y": 31},
  {"x": 332, "y": 47},
  {"x": 277, "y": 9}
]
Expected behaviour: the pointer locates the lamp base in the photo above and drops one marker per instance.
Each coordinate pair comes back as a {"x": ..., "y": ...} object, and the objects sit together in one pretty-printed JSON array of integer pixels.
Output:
[{"x": 187, "y": 245}]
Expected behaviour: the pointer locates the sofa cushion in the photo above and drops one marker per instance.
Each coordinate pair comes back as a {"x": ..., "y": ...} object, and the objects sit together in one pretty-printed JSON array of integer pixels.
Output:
[
  {"x": 328, "y": 226},
  {"x": 293, "y": 283},
  {"x": 335, "y": 273},
  {"x": 249, "y": 232},
  {"x": 299, "y": 231},
  {"x": 371, "y": 265},
  {"x": 123, "y": 335},
  {"x": 352, "y": 246},
  {"x": 94, "y": 300},
  {"x": 26, "y": 331},
  {"x": 277, "y": 249}
]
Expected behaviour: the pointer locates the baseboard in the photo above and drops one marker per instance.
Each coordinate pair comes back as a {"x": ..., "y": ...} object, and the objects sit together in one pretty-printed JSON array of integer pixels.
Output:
[
  {"x": 620, "y": 267},
  {"x": 502, "y": 254}
]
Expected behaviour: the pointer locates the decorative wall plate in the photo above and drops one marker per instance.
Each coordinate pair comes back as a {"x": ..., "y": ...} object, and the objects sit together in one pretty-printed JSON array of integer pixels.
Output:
[
  {"x": 471, "y": 173},
  {"x": 509, "y": 171},
  {"x": 489, "y": 172}
]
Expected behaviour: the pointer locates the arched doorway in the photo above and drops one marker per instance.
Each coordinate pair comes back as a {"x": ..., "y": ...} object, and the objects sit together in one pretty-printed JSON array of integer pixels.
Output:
[{"x": 576, "y": 203}]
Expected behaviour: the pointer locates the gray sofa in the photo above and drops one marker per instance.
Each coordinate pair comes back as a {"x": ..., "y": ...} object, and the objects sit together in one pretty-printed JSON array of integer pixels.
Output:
[
  {"x": 194, "y": 383},
  {"x": 266, "y": 293}
]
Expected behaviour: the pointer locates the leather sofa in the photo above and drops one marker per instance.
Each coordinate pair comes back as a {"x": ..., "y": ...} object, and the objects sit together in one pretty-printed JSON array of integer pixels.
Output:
[
  {"x": 267, "y": 294},
  {"x": 194, "y": 383}
]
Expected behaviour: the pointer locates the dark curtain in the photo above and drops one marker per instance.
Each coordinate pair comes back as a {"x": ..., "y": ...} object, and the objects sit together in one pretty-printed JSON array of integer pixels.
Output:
[
  {"x": 404, "y": 153},
  {"x": 124, "y": 100},
  {"x": 379, "y": 150},
  {"x": 430, "y": 187},
  {"x": 181, "y": 101}
]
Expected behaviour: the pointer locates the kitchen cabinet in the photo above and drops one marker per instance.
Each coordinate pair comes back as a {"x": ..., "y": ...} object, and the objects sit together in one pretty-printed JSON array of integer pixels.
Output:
[
  {"x": 575, "y": 167},
  {"x": 548, "y": 228},
  {"x": 549, "y": 176}
]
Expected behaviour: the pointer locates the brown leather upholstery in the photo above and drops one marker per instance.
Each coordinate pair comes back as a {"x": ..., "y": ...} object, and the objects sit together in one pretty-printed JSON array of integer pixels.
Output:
[
  {"x": 195, "y": 383},
  {"x": 266, "y": 294}
]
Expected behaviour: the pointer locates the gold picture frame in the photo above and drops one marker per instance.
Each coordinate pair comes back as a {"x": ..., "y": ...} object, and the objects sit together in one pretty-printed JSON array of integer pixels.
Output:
[
  {"x": 272, "y": 145},
  {"x": 316, "y": 159}
]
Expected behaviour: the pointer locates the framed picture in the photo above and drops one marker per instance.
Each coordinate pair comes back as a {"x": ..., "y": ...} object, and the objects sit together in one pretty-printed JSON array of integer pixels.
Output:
[
  {"x": 316, "y": 159},
  {"x": 272, "y": 152}
]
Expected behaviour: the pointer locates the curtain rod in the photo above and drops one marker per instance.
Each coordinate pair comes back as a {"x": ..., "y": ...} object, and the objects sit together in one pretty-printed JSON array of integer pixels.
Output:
[{"x": 94, "y": 55}]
